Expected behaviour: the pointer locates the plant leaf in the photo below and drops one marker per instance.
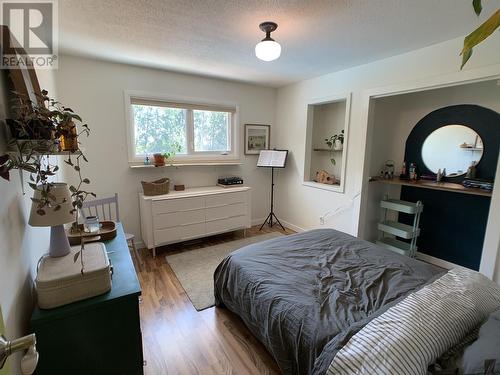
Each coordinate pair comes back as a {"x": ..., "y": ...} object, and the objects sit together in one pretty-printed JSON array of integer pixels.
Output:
[
  {"x": 478, "y": 35},
  {"x": 476, "y": 4},
  {"x": 333, "y": 161},
  {"x": 466, "y": 56}
]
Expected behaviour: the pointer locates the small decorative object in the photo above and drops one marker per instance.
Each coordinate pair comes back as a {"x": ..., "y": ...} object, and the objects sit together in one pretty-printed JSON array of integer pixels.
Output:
[
  {"x": 179, "y": 187},
  {"x": 323, "y": 177},
  {"x": 92, "y": 224},
  {"x": 68, "y": 140},
  {"x": 471, "y": 171},
  {"x": 147, "y": 161},
  {"x": 388, "y": 171},
  {"x": 413, "y": 172},
  {"x": 158, "y": 187},
  {"x": 335, "y": 143},
  {"x": 439, "y": 175},
  {"x": 403, "y": 169},
  {"x": 257, "y": 138}
]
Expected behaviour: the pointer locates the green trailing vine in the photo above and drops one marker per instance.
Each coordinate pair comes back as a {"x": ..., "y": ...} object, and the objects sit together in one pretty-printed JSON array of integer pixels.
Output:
[{"x": 37, "y": 130}]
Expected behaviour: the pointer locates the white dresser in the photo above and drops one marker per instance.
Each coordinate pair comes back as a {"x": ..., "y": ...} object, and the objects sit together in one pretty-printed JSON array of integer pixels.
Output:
[{"x": 193, "y": 213}]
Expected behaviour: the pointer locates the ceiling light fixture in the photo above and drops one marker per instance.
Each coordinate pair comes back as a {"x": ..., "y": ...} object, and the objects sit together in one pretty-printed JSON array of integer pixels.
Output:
[{"x": 268, "y": 49}]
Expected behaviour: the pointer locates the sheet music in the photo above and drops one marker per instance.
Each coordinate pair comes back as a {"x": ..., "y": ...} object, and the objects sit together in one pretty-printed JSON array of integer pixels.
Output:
[{"x": 272, "y": 158}]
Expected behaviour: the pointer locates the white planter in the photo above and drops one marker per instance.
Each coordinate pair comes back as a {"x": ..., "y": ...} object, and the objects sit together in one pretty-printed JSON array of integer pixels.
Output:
[{"x": 337, "y": 146}]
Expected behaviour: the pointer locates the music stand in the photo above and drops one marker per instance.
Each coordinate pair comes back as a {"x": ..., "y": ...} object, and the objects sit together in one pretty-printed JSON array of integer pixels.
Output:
[{"x": 272, "y": 159}]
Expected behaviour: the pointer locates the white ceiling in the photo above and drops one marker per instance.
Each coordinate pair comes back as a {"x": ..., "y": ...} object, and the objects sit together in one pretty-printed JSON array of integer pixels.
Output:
[{"x": 217, "y": 37}]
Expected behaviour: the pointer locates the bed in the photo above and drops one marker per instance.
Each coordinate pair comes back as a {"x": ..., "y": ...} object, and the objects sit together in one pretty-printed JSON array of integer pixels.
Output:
[{"x": 305, "y": 296}]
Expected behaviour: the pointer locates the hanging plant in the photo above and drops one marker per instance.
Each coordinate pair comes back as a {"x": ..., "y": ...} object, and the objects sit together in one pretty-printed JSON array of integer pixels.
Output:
[{"x": 38, "y": 131}]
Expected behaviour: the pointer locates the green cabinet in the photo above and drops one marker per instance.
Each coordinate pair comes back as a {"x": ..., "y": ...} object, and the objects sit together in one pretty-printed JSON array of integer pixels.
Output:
[{"x": 99, "y": 335}]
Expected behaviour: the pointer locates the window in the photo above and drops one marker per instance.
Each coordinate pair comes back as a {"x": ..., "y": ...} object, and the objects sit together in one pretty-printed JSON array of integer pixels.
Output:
[{"x": 197, "y": 132}]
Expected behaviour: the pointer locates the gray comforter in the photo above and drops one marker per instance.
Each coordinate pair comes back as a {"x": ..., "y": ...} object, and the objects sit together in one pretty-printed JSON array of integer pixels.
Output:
[{"x": 303, "y": 296}]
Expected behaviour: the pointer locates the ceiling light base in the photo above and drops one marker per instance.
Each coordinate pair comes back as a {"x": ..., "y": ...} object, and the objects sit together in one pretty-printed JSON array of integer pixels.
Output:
[{"x": 268, "y": 27}]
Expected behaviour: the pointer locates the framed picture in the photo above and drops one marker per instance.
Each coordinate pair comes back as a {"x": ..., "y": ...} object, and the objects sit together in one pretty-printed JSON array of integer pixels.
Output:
[{"x": 257, "y": 137}]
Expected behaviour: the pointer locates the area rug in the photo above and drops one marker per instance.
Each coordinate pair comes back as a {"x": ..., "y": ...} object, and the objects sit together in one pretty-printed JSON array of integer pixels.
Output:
[{"x": 195, "y": 268}]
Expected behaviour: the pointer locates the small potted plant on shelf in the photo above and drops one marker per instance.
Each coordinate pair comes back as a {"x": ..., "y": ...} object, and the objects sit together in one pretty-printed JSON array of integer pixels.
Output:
[
  {"x": 335, "y": 143},
  {"x": 160, "y": 159}
]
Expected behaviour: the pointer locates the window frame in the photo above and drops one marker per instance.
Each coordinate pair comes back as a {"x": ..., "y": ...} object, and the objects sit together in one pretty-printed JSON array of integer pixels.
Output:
[{"x": 194, "y": 158}]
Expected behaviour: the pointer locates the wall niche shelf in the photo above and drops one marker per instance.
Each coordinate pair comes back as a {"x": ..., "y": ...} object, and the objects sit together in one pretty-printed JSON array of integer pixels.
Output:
[
  {"x": 326, "y": 117},
  {"x": 424, "y": 184}
]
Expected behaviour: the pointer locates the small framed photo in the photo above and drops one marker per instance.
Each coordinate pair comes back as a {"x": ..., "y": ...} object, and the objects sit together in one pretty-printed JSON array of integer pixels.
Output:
[{"x": 257, "y": 137}]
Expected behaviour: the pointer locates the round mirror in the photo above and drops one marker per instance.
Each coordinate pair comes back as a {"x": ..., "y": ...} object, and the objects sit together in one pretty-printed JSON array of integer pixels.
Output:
[{"x": 454, "y": 147}]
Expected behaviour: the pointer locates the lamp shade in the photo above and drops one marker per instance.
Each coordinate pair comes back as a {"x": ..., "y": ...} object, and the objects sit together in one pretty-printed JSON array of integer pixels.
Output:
[
  {"x": 52, "y": 217},
  {"x": 268, "y": 50}
]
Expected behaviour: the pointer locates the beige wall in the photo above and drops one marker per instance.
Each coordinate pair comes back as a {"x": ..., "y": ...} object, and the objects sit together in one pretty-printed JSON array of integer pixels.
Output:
[
  {"x": 302, "y": 206},
  {"x": 21, "y": 245},
  {"x": 95, "y": 89}
]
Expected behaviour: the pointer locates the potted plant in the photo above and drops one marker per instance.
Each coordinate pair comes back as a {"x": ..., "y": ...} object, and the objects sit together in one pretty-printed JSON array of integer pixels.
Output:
[
  {"x": 160, "y": 159},
  {"x": 335, "y": 143},
  {"x": 41, "y": 128}
]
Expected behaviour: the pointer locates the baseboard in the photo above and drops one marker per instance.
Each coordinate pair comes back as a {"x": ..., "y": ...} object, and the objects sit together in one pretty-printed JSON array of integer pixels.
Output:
[
  {"x": 291, "y": 226},
  {"x": 436, "y": 261},
  {"x": 258, "y": 221},
  {"x": 285, "y": 223}
]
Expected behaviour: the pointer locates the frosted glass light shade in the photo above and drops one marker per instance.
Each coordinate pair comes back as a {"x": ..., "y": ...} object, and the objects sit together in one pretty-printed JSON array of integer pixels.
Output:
[
  {"x": 268, "y": 50},
  {"x": 52, "y": 217}
]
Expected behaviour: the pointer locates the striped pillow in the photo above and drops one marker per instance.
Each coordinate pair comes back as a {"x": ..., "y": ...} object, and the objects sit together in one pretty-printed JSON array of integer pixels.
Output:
[{"x": 415, "y": 332}]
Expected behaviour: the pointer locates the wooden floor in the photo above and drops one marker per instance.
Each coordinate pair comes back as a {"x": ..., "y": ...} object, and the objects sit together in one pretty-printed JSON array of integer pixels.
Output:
[{"x": 179, "y": 340}]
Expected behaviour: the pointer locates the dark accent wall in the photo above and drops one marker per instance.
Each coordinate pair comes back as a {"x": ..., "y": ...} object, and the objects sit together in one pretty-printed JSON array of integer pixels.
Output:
[{"x": 453, "y": 224}]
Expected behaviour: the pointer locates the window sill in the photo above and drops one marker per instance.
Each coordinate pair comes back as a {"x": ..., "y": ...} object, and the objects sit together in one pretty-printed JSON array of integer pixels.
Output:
[{"x": 194, "y": 164}]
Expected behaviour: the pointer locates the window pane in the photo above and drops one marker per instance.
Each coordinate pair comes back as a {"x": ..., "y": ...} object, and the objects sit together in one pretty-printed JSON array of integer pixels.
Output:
[
  {"x": 159, "y": 129},
  {"x": 211, "y": 131}
]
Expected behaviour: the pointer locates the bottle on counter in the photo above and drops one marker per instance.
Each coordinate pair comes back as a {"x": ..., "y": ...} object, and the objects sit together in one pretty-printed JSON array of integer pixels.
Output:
[
  {"x": 412, "y": 171},
  {"x": 403, "y": 169},
  {"x": 439, "y": 175}
]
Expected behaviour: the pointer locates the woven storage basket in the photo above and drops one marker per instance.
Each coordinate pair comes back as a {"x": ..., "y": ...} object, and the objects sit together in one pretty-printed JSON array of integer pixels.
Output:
[{"x": 157, "y": 187}]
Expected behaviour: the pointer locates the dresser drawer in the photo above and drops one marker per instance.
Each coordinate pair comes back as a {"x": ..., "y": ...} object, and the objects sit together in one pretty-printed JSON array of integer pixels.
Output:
[
  {"x": 224, "y": 212},
  {"x": 224, "y": 225},
  {"x": 180, "y": 233},
  {"x": 174, "y": 219},
  {"x": 176, "y": 205},
  {"x": 225, "y": 199}
]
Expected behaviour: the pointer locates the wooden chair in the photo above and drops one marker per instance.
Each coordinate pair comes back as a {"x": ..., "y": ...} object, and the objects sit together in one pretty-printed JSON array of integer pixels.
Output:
[{"x": 107, "y": 209}]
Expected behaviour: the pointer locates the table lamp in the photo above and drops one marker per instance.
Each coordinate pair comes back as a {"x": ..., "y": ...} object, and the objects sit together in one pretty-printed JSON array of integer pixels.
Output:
[{"x": 59, "y": 244}]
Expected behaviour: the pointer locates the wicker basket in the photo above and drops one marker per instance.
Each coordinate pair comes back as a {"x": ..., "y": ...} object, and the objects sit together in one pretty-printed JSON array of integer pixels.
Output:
[{"x": 157, "y": 187}]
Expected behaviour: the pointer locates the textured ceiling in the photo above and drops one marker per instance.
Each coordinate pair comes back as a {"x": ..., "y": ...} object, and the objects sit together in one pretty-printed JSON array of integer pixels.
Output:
[{"x": 217, "y": 37}]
